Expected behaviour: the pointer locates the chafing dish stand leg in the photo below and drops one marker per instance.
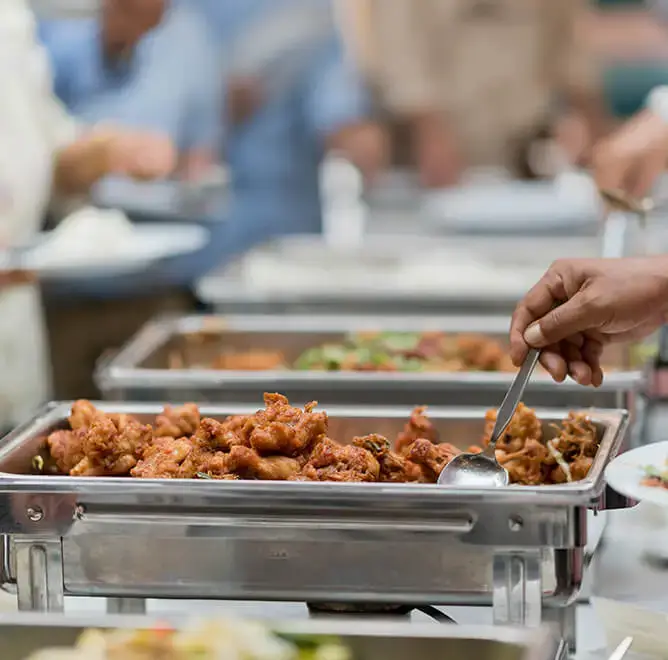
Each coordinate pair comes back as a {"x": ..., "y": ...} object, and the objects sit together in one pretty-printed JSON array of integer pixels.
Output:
[
  {"x": 563, "y": 621},
  {"x": 126, "y": 606},
  {"x": 39, "y": 573},
  {"x": 517, "y": 595}
]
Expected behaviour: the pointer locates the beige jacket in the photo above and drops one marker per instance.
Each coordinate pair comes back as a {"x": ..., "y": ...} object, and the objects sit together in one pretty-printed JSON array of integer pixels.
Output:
[{"x": 492, "y": 66}]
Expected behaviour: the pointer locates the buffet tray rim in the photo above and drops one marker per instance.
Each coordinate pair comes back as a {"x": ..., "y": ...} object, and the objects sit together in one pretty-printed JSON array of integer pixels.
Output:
[
  {"x": 334, "y": 626},
  {"x": 122, "y": 369},
  {"x": 580, "y": 493}
]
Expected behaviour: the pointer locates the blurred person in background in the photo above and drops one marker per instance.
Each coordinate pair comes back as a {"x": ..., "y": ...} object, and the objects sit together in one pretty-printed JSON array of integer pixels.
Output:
[
  {"x": 45, "y": 157},
  {"x": 293, "y": 95},
  {"x": 146, "y": 64},
  {"x": 477, "y": 80},
  {"x": 152, "y": 66},
  {"x": 634, "y": 157}
]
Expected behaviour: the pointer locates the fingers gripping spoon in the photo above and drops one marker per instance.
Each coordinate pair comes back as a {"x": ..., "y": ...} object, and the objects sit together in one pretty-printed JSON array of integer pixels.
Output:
[{"x": 483, "y": 470}]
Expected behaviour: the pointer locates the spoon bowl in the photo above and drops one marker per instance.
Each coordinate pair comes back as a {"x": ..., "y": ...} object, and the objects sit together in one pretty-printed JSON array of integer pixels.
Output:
[
  {"x": 483, "y": 470},
  {"x": 471, "y": 470}
]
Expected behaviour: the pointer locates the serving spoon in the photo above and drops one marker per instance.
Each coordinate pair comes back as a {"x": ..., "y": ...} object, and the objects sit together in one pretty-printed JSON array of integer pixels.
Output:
[
  {"x": 619, "y": 200},
  {"x": 483, "y": 470}
]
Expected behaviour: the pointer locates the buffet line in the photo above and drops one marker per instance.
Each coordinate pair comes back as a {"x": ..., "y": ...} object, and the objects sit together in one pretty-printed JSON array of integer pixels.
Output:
[{"x": 181, "y": 484}]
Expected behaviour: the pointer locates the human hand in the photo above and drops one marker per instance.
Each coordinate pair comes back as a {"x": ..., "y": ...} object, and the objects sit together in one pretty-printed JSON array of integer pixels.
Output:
[
  {"x": 108, "y": 150},
  {"x": 439, "y": 160},
  {"x": 196, "y": 165},
  {"x": 580, "y": 305},
  {"x": 574, "y": 137},
  {"x": 633, "y": 157},
  {"x": 365, "y": 145},
  {"x": 139, "y": 155}
]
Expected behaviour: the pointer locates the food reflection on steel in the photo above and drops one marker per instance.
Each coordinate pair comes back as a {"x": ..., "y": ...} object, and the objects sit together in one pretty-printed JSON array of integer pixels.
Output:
[
  {"x": 373, "y": 351},
  {"x": 285, "y": 443}
]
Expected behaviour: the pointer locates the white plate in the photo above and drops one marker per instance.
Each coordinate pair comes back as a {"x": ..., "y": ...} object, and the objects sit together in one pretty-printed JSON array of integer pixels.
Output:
[
  {"x": 151, "y": 243},
  {"x": 626, "y": 472}
]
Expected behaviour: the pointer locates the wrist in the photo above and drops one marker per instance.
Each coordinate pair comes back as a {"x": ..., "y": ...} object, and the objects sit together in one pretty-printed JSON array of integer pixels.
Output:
[{"x": 660, "y": 270}]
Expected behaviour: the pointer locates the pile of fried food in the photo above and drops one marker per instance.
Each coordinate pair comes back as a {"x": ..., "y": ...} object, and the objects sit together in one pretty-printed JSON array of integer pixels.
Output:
[
  {"x": 282, "y": 442},
  {"x": 231, "y": 640},
  {"x": 376, "y": 351}
]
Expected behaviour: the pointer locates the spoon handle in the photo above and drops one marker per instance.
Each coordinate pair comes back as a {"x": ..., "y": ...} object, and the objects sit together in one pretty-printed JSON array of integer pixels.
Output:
[
  {"x": 513, "y": 397},
  {"x": 622, "y": 649}
]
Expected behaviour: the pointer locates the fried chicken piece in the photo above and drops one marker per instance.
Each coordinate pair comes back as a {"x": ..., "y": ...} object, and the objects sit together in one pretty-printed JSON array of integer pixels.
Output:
[
  {"x": 82, "y": 415},
  {"x": 431, "y": 458},
  {"x": 331, "y": 461},
  {"x": 110, "y": 450},
  {"x": 210, "y": 446},
  {"x": 258, "y": 360},
  {"x": 177, "y": 422},
  {"x": 162, "y": 459},
  {"x": 393, "y": 467},
  {"x": 523, "y": 425},
  {"x": 285, "y": 430},
  {"x": 66, "y": 448},
  {"x": 579, "y": 469},
  {"x": 247, "y": 464},
  {"x": 528, "y": 465},
  {"x": 418, "y": 426},
  {"x": 577, "y": 443},
  {"x": 212, "y": 435},
  {"x": 577, "y": 436},
  {"x": 214, "y": 464}
]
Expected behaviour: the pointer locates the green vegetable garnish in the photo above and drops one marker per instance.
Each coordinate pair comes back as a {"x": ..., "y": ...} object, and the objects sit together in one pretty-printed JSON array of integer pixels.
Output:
[
  {"x": 38, "y": 463},
  {"x": 203, "y": 475},
  {"x": 412, "y": 364},
  {"x": 656, "y": 473},
  {"x": 400, "y": 341}
]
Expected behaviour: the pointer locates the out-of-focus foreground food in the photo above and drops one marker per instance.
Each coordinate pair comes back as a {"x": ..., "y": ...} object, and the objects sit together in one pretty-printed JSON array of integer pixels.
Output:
[
  {"x": 377, "y": 351},
  {"x": 281, "y": 442},
  {"x": 233, "y": 640}
]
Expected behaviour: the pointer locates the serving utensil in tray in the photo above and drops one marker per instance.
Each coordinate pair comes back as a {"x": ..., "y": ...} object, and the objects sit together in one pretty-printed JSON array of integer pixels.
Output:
[
  {"x": 367, "y": 640},
  {"x": 483, "y": 469},
  {"x": 140, "y": 370},
  {"x": 520, "y": 547}
]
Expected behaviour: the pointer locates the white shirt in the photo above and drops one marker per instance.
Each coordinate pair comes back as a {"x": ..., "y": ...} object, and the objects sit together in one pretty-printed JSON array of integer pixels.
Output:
[{"x": 33, "y": 126}]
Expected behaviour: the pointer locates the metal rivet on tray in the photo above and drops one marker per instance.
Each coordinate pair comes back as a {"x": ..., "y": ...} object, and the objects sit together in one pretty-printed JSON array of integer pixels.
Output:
[
  {"x": 34, "y": 513},
  {"x": 515, "y": 523}
]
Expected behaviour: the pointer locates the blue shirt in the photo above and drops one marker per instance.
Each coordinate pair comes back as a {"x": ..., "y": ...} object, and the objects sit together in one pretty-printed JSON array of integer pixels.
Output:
[
  {"x": 311, "y": 89},
  {"x": 170, "y": 85}
]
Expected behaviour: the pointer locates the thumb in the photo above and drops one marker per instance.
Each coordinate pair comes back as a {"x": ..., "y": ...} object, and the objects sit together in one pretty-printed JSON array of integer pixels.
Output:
[{"x": 568, "y": 319}]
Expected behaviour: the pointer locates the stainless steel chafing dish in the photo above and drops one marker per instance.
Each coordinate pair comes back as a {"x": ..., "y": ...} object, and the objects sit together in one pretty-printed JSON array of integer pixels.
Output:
[
  {"x": 140, "y": 371},
  {"x": 367, "y": 640},
  {"x": 356, "y": 281},
  {"x": 520, "y": 548}
]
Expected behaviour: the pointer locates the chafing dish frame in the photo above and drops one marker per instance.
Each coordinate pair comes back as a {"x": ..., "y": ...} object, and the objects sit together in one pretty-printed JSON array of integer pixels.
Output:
[
  {"x": 126, "y": 376},
  {"x": 228, "y": 291},
  {"x": 520, "y": 547}
]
